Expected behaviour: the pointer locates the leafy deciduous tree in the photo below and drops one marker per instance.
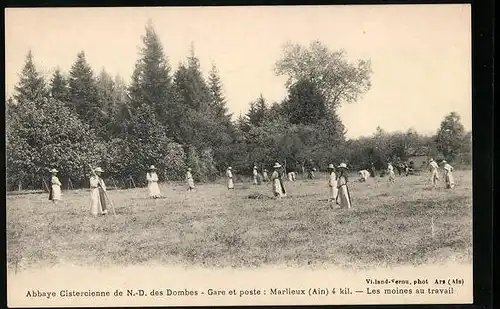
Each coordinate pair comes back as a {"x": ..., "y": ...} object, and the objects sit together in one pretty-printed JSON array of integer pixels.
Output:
[
  {"x": 338, "y": 80},
  {"x": 449, "y": 138}
]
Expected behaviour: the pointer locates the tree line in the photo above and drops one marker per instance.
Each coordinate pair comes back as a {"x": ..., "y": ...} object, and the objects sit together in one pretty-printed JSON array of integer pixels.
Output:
[{"x": 179, "y": 118}]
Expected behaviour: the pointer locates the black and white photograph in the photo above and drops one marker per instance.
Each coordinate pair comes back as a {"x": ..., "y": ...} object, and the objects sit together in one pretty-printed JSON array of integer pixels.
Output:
[{"x": 249, "y": 155}]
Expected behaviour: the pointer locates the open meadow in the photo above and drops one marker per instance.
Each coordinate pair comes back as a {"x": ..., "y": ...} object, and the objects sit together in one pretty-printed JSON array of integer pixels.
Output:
[{"x": 404, "y": 223}]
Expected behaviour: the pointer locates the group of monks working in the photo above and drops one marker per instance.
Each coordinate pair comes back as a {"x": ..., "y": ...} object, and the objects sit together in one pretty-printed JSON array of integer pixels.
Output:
[
  {"x": 433, "y": 166},
  {"x": 337, "y": 183},
  {"x": 339, "y": 191},
  {"x": 99, "y": 199}
]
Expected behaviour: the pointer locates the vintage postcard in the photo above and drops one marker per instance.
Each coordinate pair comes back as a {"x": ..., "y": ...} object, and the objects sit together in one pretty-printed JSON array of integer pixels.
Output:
[{"x": 285, "y": 155}]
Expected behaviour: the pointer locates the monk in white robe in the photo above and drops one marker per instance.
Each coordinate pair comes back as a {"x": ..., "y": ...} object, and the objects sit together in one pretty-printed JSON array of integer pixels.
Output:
[
  {"x": 229, "y": 174},
  {"x": 98, "y": 204},
  {"x": 332, "y": 184},
  {"x": 152, "y": 178},
  {"x": 55, "y": 187},
  {"x": 278, "y": 190},
  {"x": 448, "y": 169},
  {"x": 189, "y": 179},
  {"x": 255, "y": 174},
  {"x": 390, "y": 171},
  {"x": 343, "y": 195},
  {"x": 434, "y": 172},
  {"x": 364, "y": 175},
  {"x": 265, "y": 177}
]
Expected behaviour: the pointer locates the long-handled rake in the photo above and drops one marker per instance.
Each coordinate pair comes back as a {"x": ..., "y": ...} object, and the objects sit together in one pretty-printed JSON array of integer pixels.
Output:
[{"x": 110, "y": 202}]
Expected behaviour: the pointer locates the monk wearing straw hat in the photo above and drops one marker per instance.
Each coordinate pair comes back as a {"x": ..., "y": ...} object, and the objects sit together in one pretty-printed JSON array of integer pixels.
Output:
[
  {"x": 450, "y": 182},
  {"x": 278, "y": 189},
  {"x": 434, "y": 171},
  {"x": 55, "y": 188},
  {"x": 343, "y": 195},
  {"x": 152, "y": 178},
  {"x": 98, "y": 204},
  {"x": 332, "y": 183}
]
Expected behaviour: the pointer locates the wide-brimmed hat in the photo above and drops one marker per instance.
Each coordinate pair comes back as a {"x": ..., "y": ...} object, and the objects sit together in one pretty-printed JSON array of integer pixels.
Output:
[
  {"x": 53, "y": 171},
  {"x": 431, "y": 159},
  {"x": 331, "y": 166},
  {"x": 443, "y": 162},
  {"x": 255, "y": 166},
  {"x": 277, "y": 165},
  {"x": 152, "y": 167},
  {"x": 230, "y": 168},
  {"x": 342, "y": 165},
  {"x": 98, "y": 169}
]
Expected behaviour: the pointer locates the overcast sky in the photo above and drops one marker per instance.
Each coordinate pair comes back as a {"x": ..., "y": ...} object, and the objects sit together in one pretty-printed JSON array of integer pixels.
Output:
[{"x": 421, "y": 55}]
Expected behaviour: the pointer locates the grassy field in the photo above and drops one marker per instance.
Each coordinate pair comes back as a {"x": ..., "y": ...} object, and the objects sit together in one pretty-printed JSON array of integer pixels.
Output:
[{"x": 406, "y": 222}]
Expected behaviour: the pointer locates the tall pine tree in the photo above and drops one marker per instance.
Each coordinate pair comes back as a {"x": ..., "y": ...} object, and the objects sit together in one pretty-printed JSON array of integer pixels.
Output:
[
  {"x": 217, "y": 98},
  {"x": 109, "y": 103},
  {"x": 122, "y": 105},
  {"x": 106, "y": 88},
  {"x": 151, "y": 81},
  {"x": 224, "y": 128},
  {"x": 31, "y": 88},
  {"x": 257, "y": 112},
  {"x": 152, "y": 109},
  {"x": 199, "y": 95},
  {"x": 242, "y": 122},
  {"x": 199, "y": 125},
  {"x": 21, "y": 134},
  {"x": 59, "y": 87},
  {"x": 84, "y": 94}
]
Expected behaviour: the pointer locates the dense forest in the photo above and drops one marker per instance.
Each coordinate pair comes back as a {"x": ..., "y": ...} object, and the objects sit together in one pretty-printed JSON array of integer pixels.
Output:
[{"x": 179, "y": 118}]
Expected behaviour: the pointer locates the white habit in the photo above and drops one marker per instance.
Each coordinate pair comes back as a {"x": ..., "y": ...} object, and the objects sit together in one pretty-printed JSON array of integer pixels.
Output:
[
  {"x": 230, "y": 184},
  {"x": 332, "y": 184},
  {"x": 277, "y": 189},
  {"x": 450, "y": 182},
  {"x": 154, "y": 189},
  {"x": 56, "y": 188},
  {"x": 97, "y": 198},
  {"x": 390, "y": 169},
  {"x": 434, "y": 172},
  {"x": 190, "y": 180}
]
